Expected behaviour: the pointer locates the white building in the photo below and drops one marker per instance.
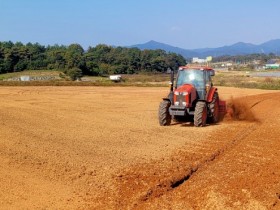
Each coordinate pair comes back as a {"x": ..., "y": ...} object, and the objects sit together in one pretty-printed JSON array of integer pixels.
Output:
[
  {"x": 272, "y": 66},
  {"x": 198, "y": 60}
]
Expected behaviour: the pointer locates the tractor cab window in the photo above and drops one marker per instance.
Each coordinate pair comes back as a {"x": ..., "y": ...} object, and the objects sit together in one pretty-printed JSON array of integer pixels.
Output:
[
  {"x": 208, "y": 78},
  {"x": 194, "y": 77}
]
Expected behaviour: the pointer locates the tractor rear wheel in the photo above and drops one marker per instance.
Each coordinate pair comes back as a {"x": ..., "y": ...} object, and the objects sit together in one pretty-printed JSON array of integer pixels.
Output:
[
  {"x": 214, "y": 108},
  {"x": 200, "y": 114},
  {"x": 164, "y": 116}
]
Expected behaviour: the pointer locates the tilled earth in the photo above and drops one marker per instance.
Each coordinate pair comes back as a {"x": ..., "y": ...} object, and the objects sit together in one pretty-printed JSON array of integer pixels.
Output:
[{"x": 102, "y": 148}]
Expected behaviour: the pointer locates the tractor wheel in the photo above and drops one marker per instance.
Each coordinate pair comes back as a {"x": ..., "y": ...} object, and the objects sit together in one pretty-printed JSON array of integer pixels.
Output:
[
  {"x": 200, "y": 114},
  {"x": 163, "y": 113},
  {"x": 214, "y": 108}
]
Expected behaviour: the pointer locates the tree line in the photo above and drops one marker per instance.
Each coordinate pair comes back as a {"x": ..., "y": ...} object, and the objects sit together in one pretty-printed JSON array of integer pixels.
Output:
[
  {"x": 244, "y": 59},
  {"x": 97, "y": 61}
]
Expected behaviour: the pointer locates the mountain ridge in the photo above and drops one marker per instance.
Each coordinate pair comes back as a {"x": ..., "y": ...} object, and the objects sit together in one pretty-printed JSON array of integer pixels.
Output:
[{"x": 239, "y": 48}]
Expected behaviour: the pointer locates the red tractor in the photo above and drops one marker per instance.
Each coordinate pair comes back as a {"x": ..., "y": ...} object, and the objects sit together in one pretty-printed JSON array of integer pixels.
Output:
[{"x": 194, "y": 98}]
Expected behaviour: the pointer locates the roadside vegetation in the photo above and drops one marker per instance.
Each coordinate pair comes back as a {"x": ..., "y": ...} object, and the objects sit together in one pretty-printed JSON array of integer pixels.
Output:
[
  {"x": 228, "y": 78},
  {"x": 62, "y": 79}
]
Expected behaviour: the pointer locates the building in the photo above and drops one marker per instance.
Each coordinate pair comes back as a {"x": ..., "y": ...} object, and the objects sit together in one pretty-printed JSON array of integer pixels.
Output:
[
  {"x": 202, "y": 61},
  {"x": 272, "y": 66}
]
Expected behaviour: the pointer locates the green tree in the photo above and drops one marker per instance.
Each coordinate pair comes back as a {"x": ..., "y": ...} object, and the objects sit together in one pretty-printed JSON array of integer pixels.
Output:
[
  {"x": 36, "y": 56},
  {"x": 99, "y": 60},
  {"x": 55, "y": 56},
  {"x": 73, "y": 56},
  {"x": 74, "y": 73}
]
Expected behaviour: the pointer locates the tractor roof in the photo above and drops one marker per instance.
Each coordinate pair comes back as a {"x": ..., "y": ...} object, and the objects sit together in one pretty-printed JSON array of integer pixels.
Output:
[{"x": 195, "y": 68}]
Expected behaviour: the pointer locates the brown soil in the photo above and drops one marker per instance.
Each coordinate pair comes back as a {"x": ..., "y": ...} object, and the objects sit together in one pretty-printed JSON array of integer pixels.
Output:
[{"x": 102, "y": 148}]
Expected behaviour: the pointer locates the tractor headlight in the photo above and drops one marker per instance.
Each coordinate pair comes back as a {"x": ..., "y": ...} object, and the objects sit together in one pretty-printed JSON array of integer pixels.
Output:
[
  {"x": 185, "y": 93},
  {"x": 176, "y": 93},
  {"x": 184, "y": 103},
  {"x": 176, "y": 103}
]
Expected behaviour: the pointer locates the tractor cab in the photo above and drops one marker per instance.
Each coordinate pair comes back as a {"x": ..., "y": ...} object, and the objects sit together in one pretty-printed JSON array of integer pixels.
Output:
[{"x": 199, "y": 78}]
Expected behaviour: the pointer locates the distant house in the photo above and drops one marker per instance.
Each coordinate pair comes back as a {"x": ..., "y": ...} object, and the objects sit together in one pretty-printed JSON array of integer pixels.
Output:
[
  {"x": 272, "y": 66},
  {"x": 198, "y": 60},
  {"x": 229, "y": 64}
]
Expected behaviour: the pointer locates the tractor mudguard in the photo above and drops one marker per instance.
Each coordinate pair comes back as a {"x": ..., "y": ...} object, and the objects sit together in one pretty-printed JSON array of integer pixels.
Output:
[
  {"x": 211, "y": 94},
  {"x": 169, "y": 98}
]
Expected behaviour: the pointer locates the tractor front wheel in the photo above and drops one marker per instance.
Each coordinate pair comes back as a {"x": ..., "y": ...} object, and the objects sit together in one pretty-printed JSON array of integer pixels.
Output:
[
  {"x": 163, "y": 113},
  {"x": 200, "y": 114}
]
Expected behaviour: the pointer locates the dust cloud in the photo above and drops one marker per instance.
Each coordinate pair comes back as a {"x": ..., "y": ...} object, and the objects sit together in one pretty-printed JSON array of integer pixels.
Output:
[{"x": 239, "y": 110}]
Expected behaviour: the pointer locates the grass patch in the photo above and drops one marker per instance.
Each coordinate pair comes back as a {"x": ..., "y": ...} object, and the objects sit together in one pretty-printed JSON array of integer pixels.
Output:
[
  {"x": 141, "y": 80},
  {"x": 243, "y": 80},
  {"x": 229, "y": 79},
  {"x": 77, "y": 83},
  {"x": 30, "y": 73}
]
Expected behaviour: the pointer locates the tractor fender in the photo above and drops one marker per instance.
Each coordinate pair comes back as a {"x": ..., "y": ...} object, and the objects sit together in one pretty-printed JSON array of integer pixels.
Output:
[
  {"x": 166, "y": 99},
  {"x": 169, "y": 97},
  {"x": 211, "y": 94}
]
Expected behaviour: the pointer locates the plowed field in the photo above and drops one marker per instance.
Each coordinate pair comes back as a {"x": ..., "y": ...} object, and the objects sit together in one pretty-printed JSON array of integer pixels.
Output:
[{"x": 102, "y": 148}]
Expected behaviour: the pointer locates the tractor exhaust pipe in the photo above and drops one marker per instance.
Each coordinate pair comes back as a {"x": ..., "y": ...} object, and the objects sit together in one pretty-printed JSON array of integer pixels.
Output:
[{"x": 171, "y": 80}]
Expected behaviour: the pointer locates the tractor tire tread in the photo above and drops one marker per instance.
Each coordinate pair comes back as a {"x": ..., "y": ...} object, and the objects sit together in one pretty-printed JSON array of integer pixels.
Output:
[
  {"x": 212, "y": 107},
  {"x": 163, "y": 113},
  {"x": 198, "y": 114}
]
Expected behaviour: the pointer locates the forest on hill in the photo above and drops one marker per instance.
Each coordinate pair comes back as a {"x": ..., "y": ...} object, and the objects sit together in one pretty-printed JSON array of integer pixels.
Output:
[{"x": 98, "y": 61}]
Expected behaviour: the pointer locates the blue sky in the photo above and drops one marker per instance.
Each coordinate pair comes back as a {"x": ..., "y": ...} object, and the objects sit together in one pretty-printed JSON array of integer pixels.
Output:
[{"x": 182, "y": 23}]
